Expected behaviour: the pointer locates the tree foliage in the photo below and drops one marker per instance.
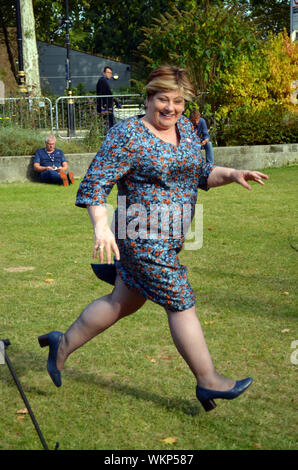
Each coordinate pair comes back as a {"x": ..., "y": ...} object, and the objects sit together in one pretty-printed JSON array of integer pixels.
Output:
[
  {"x": 205, "y": 40},
  {"x": 256, "y": 97},
  {"x": 112, "y": 28},
  {"x": 271, "y": 16},
  {"x": 262, "y": 79},
  {"x": 250, "y": 126}
]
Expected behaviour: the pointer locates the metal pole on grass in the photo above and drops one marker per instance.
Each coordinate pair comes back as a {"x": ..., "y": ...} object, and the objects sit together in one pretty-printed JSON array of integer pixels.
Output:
[{"x": 3, "y": 354}]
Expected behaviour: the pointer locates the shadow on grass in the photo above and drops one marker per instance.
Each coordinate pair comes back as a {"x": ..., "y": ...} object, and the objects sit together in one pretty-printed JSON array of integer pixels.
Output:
[
  {"x": 28, "y": 361},
  {"x": 174, "y": 404}
]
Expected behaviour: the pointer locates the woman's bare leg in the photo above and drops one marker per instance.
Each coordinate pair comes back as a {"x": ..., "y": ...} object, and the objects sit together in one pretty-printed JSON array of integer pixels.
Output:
[
  {"x": 189, "y": 339},
  {"x": 97, "y": 317}
]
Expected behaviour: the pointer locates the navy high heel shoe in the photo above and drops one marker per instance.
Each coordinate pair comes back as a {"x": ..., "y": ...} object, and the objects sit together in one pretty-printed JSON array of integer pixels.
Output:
[
  {"x": 206, "y": 396},
  {"x": 52, "y": 340}
]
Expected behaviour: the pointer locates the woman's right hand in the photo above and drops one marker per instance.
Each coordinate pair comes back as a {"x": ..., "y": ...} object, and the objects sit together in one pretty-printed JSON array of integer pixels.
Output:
[{"x": 104, "y": 241}]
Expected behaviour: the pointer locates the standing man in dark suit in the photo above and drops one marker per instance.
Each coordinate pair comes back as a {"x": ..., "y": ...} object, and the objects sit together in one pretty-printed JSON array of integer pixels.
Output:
[{"x": 105, "y": 105}]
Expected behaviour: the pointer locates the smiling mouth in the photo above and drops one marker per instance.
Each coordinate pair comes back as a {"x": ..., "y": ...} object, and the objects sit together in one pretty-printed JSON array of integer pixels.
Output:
[{"x": 167, "y": 115}]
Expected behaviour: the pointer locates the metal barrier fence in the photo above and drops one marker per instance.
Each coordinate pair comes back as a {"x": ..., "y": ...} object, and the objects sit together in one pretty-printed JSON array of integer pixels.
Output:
[
  {"x": 72, "y": 116},
  {"x": 76, "y": 116},
  {"x": 34, "y": 113}
]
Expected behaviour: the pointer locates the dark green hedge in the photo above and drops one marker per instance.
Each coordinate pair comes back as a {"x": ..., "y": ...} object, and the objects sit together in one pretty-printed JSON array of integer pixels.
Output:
[{"x": 247, "y": 126}]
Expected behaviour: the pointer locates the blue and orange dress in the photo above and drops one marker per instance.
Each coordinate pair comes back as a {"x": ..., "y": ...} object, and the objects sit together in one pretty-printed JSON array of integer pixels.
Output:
[{"x": 157, "y": 186}]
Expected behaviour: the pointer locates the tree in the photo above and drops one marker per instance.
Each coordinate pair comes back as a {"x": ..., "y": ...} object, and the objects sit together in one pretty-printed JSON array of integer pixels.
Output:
[
  {"x": 271, "y": 16},
  {"x": 257, "y": 97},
  {"x": 7, "y": 12},
  {"x": 112, "y": 28},
  {"x": 50, "y": 13},
  {"x": 204, "y": 40},
  {"x": 30, "y": 53},
  {"x": 263, "y": 79},
  {"x": 29, "y": 48}
]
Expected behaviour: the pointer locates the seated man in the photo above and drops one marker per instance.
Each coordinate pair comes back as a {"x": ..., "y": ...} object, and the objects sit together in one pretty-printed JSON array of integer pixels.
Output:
[
  {"x": 52, "y": 164},
  {"x": 203, "y": 134}
]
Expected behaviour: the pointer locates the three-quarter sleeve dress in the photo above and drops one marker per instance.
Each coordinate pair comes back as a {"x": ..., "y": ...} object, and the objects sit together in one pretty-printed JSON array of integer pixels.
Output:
[{"x": 157, "y": 186}]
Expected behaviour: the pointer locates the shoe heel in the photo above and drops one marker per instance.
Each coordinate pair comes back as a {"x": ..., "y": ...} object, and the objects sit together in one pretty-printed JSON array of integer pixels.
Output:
[
  {"x": 208, "y": 405},
  {"x": 43, "y": 341}
]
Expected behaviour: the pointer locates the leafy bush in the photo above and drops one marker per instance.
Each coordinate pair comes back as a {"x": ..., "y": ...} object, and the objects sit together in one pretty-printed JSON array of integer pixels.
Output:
[
  {"x": 98, "y": 128},
  {"x": 79, "y": 90},
  {"x": 261, "y": 80},
  {"x": 204, "y": 40},
  {"x": 250, "y": 126}
]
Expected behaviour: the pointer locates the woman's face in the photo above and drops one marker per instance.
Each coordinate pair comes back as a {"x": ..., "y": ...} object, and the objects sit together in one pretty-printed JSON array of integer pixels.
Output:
[{"x": 164, "y": 109}]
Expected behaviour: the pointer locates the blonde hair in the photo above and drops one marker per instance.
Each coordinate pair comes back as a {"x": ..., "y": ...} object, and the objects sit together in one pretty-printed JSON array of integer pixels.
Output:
[{"x": 168, "y": 78}]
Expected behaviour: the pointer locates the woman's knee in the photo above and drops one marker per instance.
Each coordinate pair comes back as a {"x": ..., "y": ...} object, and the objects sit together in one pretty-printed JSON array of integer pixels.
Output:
[
  {"x": 124, "y": 301},
  {"x": 125, "y": 306}
]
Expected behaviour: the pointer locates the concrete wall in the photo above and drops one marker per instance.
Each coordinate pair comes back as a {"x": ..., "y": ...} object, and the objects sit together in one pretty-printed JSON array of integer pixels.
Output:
[
  {"x": 248, "y": 158},
  {"x": 256, "y": 157}
]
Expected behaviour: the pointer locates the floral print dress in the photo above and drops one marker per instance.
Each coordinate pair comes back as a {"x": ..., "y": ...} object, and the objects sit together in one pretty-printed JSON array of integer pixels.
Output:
[{"x": 157, "y": 191}]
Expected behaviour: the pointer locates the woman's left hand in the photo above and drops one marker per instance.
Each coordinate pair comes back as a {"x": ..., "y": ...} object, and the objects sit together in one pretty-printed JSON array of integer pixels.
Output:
[{"x": 242, "y": 176}]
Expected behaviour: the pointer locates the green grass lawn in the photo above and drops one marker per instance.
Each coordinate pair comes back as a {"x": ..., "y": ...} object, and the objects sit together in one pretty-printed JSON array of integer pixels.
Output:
[{"x": 128, "y": 388}]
